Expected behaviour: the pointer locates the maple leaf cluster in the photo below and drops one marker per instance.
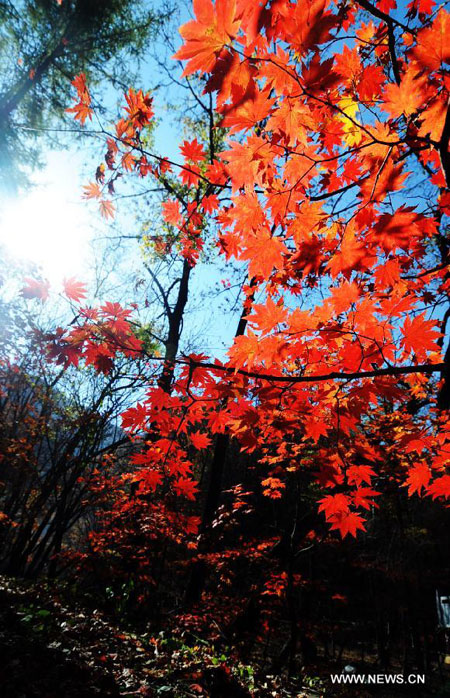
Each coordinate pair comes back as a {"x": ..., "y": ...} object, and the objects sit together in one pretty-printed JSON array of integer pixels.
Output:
[
  {"x": 98, "y": 338},
  {"x": 82, "y": 108},
  {"x": 38, "y": 288},
  {"x": 352, "y": 283}
]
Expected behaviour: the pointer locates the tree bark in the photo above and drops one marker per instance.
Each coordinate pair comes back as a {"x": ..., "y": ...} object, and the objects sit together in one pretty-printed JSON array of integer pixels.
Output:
[{"x": 198, "y": 572}]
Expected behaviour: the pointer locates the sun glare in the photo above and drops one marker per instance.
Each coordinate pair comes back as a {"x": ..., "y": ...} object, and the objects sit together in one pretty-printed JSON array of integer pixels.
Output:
[{"x": 49, "y": 225}]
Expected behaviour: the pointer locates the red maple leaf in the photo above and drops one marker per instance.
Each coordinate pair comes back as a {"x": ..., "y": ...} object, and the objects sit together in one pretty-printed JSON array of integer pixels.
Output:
[
  {"x": 193, "y": 150},
  {"x": 314, "y": 429},
  {"x": 418, "y": 478},
  {"x": 151, "y": 478},
  {"x": 386, "y": 5},
  {"x": 134, "y": 417},
  {"x": 264, "y": 252},
  {"x": 199, "y": 440},
  {"x": 248, "y": 112},
  {"x": 75, "y": 290},
  {"x": 171, "y": 212},
  {"x": 107, "y": 209},
  {"x": 347, "y": 522},
  {"x": 433, "y": 47},
  {"x": 419, "y": 335},
  {"x": 369, "y": 86},
  {"x": 115, "y": 310},
  {"x": 103, "y": 363},
  {"x": 186, "y": 487},
  {"x": 128, "y": 161},
  {"x": 423, "y": 7},
  {"x": 266, "y": 317},
  {"x": 363, "y": 497},
  {"x": 139, "y": 107},
  {"x": 357, "y": 474},
  {"x": 333, "y": 504},
  {"x": 440, "y": 487},
  {"x": 405, "y": 98},
  {"x": 79, "y": 83},
  {"x": 205, "y": 36},
  {"x": 81, "y": 112},
  {"x": 36, "y": 289}
]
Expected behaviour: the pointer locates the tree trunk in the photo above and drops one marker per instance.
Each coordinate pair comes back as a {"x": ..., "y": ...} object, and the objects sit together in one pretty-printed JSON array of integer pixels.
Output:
[
  {"x": 198, "y": 572},
  {"x": 175, "y": 318}
]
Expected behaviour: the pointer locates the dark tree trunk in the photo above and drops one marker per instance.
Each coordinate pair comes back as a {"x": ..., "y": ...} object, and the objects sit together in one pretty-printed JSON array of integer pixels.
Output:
[
  {"x": 198, "y": 572},
  {"x": 175, "y": 318}
]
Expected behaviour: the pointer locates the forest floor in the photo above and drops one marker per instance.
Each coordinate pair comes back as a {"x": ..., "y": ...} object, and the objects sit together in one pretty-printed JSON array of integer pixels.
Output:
[{"x": 52, "y": 647}]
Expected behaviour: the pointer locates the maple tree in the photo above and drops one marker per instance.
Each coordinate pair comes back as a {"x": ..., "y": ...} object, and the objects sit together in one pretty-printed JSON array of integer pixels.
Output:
[
  {"x": 56, "y": 425},
  {"x": 330, "y": 196},
  {"x": 252, "y": 495},
  {"x": 325, "y": 117}
]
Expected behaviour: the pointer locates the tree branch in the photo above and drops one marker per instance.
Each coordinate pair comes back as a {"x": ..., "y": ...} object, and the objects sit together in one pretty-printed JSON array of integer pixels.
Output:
[
  {"x": 444, "y": 155},
  {"x": 366, "y": 5},
  {"x": 392, "y": 52},
  {"x": 333, "y": 375}
]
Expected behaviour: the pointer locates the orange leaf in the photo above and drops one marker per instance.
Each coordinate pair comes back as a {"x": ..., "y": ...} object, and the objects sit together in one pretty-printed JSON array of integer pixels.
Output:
[
  {"x": 419, "y": 336},
  {"x": 92, "y": 191},
  {"x": 107, "y": 209},
  {"x": 264, "y": 252},
  {"x": 193, "y": 150},
  {"x": 272, "y": 487},
  {"x": 81, "y": 111},
  {"x": 405, "y": 98},
  {"x": 205, "y": 36},
  {"x": 171, "y": 212},
  {"x": 433, "y": 46}
]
